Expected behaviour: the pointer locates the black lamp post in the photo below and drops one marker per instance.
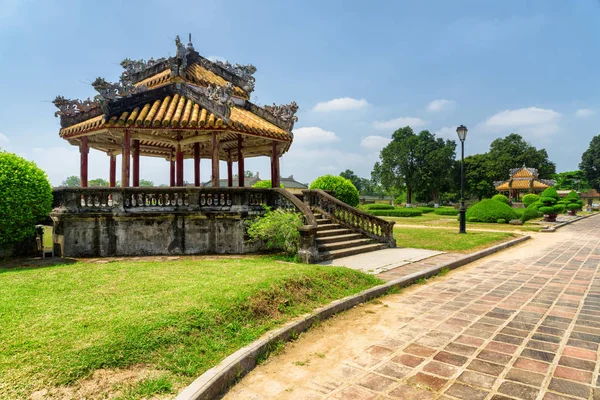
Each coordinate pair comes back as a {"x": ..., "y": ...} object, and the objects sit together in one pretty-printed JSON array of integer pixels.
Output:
[{"x": 462, "y": 135}]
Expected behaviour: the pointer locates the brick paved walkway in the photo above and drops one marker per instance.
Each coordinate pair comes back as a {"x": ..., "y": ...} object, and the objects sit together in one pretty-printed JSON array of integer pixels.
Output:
[{"x": 522, "y": 324}]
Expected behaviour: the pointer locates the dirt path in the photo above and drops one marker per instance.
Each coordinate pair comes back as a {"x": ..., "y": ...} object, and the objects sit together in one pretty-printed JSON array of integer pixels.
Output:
[{"x": 521, "y": 324}]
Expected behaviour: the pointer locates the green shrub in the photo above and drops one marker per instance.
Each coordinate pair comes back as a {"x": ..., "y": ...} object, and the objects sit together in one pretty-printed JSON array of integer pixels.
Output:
[
  {"x": 530, "y": 213},
  {"x": 502, "y": 198},
  {"x": 573, "y": 207},
  {"x": 519, "y": 211},
  {"x": 489, "y": 210},
  {"x": 536, "y": 205},
  {"x": 377, "y": 207},
  {"x": 343, "y": 188},
  {"x": 426, "y": 210},
  {"x": 265, "y": 184},
  {"x": 278, "y": 229},
  {"x": 546, "y": 210},
  {"x": 398, "y": 212},
  {"x": 26, "y": 198},
  {"x": 529, "y": 199},
  {"x": 573, "y": 202},
  {"x": 560, "y": 208},
  {"x": 446, "y": 211},
  {"x": 501, "y": 221},
  {"x": 549, "y": 200}
]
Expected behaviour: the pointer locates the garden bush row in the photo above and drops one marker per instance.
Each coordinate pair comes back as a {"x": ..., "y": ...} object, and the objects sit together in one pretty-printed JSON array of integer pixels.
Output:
[{"x": 398, "y": 212}]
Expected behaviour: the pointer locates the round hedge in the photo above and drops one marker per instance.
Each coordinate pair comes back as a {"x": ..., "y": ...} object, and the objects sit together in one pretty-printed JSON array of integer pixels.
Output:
[
  {"x": 26, "y": 198},
  {"x": 502, "y": 198},
  {"x": 530, "y": 213},
  {"x": 343, "y": 188},
  {"x": 489, "y": 210},
  {"x": 377, "y": 206},
  {"x": 529, "y": 199},
  {"x": 265, "y": 184}
]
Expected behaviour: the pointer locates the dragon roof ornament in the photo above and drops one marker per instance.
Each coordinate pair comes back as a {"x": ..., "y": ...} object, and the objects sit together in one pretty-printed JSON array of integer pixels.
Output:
[
  {"x": 243, "y": 71},
  {"x": 71, "y": 108},
  {"x": 285, "y": 112},
  {"x": 178, "y": 64},
  {"x": 135, "y": 66},
  {"x": 219, "y": 94}
]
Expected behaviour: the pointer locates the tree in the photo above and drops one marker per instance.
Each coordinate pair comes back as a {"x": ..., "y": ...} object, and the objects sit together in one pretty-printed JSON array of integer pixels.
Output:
[
  {"x": 26, "y": 198},
  {"x": 590, "y": 163},
  {"x": 514, "y": 152},
  {"x": 571, "y": 180},
  {"x": 436, "y": 160},
  {"x": 352, "y": 177},
  {"x": 98, "y": 182},
  {"x": 248, "y": 174},
  {"x": 71, "y": 181},
  {"x": 146, "y": 183},
  {"x": 478, "y": 177}
]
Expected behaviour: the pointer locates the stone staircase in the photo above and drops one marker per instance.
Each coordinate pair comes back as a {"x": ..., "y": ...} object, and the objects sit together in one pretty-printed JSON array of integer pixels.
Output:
[{"x": 335, "y": 240}]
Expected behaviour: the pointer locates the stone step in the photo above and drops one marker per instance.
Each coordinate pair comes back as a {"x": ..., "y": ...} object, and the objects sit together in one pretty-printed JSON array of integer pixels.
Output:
[
  {"x": 330, "y": 255},
  {"x": 326, "y": 227},
  {"x": 338, "y": 238},
  {"x": 343, "y": 245},
  {"x": 322, "y": 221},
  {"x": 333, "y": 232}
]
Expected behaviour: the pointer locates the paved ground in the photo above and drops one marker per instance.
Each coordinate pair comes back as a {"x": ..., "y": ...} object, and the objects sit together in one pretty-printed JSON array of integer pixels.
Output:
[
  {"x": 522, "y": 324},
  {"x": 383, "y": 260}
]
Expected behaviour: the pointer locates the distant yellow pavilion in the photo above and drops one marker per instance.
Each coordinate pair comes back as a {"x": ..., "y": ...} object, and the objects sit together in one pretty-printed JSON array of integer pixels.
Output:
[{"x": 523, "y": 180}]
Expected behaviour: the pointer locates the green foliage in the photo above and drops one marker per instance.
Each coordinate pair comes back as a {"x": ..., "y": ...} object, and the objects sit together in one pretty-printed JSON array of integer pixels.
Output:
[
  {"x": 265, "y": 184},
  {"x": 559, "y": 208},
  {"x": 398, "y": 212},
  {"x": 446, "y": 211},
  {"x": 377, "y": 206},
  {"x": 502, "y": 198},
  {"x": 536, "y": 205},
  {"x": 489, "y": 210},
  {"x": 571, "y": 180},
  {"x": 278, "y": 229},
  {"x": 573, "y": 207},
  {"x": 146, "y": 183},
  {"x": 97, "y": 182},
  {"x": 71, "y": 181},
  {"x": 573, "y": 202},
  {"x": 26, "y": 198},
  {"x": 590, "y": 160},
  {"x": 426, "y": 210},
  {"x": 549, "y": 200},
  {"x": 529, "y": 199},
  {"x": 547, "y": 210},
  {"x": 529, "y": 213},
  {"x": 501, "y": 221},
  {"x": 343, "y": 189}
]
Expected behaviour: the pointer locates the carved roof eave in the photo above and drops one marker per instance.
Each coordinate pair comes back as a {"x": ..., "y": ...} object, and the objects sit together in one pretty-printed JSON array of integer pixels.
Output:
[
  {"x": 116, "y": 107},
  {"x": 261, "y": 112},
  {"x": 149, "y": 71}
]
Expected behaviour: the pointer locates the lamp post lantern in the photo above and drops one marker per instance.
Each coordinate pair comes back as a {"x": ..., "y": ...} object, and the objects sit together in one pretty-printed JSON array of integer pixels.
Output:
[{"x": 462, "y": 135}]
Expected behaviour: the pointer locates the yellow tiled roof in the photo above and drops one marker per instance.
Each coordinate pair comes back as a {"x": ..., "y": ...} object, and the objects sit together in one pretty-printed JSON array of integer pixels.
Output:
[
  {"x": 521, "y": 184},
  {"x": 178, "y": 112},
  {"x": 523, "y": 173},
  {"x": 198, "y": 74}
]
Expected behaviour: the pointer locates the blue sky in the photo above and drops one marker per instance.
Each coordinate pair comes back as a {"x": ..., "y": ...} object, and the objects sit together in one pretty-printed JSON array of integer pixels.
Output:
[{"x": 358, "y": 70}]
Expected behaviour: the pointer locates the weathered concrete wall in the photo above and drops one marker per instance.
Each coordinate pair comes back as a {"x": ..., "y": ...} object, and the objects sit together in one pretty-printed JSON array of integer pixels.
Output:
[{"x": 124, "y": 234}]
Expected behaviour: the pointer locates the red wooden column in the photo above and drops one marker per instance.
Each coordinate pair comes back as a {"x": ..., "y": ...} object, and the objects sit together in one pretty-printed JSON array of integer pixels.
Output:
[
  {"x": 126, "y": 158},
  {"x": 179, "y": 157},
  {"x": 172, "y": 163},
  {"x": 136, "y": 163},
  {"x": 112, "y": 179},
  {"x": 241, "y": 179},
  {"x": 197, "y": 164},
  {"x": 215, "y": 160},
  {"x": 275, "y": 167},
  {"x": 229, "y": 170},
  {"x": 83, "y": 165}
]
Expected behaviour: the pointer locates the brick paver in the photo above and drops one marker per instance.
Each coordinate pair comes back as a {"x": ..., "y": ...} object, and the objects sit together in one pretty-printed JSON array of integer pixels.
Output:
[{"x": 507, "y": 327}]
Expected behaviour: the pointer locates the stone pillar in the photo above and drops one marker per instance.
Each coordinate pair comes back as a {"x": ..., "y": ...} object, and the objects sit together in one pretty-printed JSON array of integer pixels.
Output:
[
  {"x": 241, "y": 180},
  {"x": 126, "y": 158},
  {"x": 197, "y": 164},
  {"x": 172, "y": 175},
  {"x": 179, "y": 158},
  {"x": 136, "y": 163},
  {"x": 112, "y": 178},
  {"x": 275, "y": 167},
  {"x": 215, "y": 160},
  {"x": 84, "y": 150},
  {"x": 229, "y": 170}
]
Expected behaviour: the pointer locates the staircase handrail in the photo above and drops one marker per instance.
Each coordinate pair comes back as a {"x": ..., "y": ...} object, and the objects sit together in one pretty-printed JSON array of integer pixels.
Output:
[{"x": 350, "y": 217}]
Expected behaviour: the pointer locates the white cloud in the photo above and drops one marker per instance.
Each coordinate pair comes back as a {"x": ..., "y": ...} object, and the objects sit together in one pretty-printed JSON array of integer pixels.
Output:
[
  {"x": 446, "y": 132},
  {"x": 400, "y": 122},
  {"x": 440, "y": 105},
  {"x": 585, "y": 112},
  {"x": 4, "y": 139},
  {"x": 313, "y": 135},
  {"x": 533, "y": 120},
  {"x": 341, "y": 104},
  {"x": 374, "y": 143}
]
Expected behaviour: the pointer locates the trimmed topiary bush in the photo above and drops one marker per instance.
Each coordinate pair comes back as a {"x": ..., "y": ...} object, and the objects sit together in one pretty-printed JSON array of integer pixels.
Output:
[
  {"x": 530, "y": 213},
  {"x": 501, "y": 221},
  {"x": 265, "y": 184},
  {"x": 26, "y": 198},
  {"x": 446, "y": 211},
  {"x": 398, "y": 212},
  {"x": 502, "y": 198},
  {"x": 426, "y": 210},
  {"x": 377, "y": 207},
  {"x": 343, "y": 188},
  {"x": 489, "y": 210},
  {"x": 529, "y": 199},
  {"x": 573, "y": 203},
  {"x": 550, "y": 206}
]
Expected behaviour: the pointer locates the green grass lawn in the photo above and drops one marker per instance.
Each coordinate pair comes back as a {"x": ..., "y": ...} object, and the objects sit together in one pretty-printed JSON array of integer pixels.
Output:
[
  {"x": 444, "y": 221},
  {"x": 447, "y": 240},
  {"x": 60, "y": 323}
]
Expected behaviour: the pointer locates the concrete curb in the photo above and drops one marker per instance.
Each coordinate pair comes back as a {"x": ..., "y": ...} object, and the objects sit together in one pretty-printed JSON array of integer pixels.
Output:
[
  {"x": 217, "y": 379},
  {"x": 554, "y": 228}
]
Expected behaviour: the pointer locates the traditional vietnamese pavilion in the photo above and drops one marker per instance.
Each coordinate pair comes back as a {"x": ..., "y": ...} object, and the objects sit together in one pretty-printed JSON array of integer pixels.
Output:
[
  {"x": 175, "y": 108},
  {"x": 522, "y": 181}
]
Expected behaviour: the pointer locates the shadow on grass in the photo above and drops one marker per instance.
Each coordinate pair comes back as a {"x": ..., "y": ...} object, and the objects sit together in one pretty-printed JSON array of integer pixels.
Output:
[{"x": 12, "y": 264}]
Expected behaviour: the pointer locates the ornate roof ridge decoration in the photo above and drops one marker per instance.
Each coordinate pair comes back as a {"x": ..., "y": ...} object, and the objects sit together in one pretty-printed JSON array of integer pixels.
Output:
[
  {"x": 178, "y": 64},
  {"x": 239, "y": 75},
  {"x": 73, "y": 107},
  {"x": 134, "y": 68},
  {"x": 532, "y": 171},
  {"x": 245, "y": 72},
  {"x": 281, "y": 116},
  {"x": 549, "y": 182}
]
